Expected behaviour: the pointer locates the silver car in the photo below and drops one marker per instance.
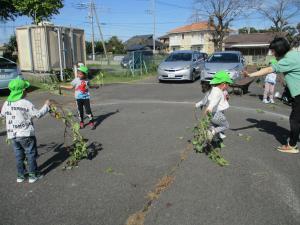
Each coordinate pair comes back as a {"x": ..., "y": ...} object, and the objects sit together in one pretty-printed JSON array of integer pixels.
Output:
[
  {"x": 181, "y": 65},
  {"x": 8, "y": 71},
  {"x": 231, "y": 61}
]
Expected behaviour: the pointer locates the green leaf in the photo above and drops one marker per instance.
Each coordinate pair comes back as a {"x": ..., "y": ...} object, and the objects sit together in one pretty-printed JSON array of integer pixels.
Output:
[
  {"x": 199, "y": 148},
  {"x": 195, "y": 142},
  {"x": 109, "y": 170},
  {"x": 223, "y": 145},
  {"x": 248, "y": 138},
  {"x": 260, "y": 111}
]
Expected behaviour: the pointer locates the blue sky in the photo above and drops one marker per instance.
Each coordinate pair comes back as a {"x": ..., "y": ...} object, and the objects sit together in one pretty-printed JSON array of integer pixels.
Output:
[{"x": 128, "y": 18}]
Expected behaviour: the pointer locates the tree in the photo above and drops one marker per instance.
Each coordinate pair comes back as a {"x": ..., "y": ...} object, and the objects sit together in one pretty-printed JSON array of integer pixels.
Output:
[
  {"x": 245, "y": 30},
  {"x": 279, "y": 12},
  {"x": 11, "y": 48},
  {"x": 38, "y": 10},
  {"x": 98, "y": 47},
  {"x": 221, "y": 14},
  {"x": 293, "y": 35},
  {"x": 115, "y": 45},
  {"x": 7, "y": 10},
  {"x": 88, "y": 47}
]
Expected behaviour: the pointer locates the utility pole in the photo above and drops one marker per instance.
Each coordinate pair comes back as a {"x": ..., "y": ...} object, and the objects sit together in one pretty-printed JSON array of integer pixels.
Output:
[
  {"x": 154, "y": 25},
  {"x": 100, "y": 31},
  {"x": 89, "y": 6},
  {"x": 93, "y": 35}
]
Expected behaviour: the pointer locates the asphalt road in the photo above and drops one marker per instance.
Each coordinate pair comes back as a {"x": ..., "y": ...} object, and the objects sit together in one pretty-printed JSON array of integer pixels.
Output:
[{"x": 144, "y": 130}]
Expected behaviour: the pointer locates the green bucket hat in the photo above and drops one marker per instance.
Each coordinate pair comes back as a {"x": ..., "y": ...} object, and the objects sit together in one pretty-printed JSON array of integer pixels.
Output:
[
  {"x": 17, "y": 87},
  {"x": 273, "y": 61},
  {"x": 221, "y": 77},
  {"x": 83, "y": 69}
]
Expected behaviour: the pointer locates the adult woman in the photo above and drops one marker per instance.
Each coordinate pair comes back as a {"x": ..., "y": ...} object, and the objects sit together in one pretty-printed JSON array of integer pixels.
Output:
[{"x": 289, "y": 65}]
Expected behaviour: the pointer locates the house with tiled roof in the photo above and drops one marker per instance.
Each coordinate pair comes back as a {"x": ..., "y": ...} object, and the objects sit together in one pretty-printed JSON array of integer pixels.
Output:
[
  {"x": 254, "y": 46},
  {"x": 195, "y": 36},
  {"x": 142, "y": 42}
]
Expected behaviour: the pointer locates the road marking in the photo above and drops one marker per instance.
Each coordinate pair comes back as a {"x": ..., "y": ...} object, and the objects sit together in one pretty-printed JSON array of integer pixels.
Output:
[{"x": 153, "y": 101}]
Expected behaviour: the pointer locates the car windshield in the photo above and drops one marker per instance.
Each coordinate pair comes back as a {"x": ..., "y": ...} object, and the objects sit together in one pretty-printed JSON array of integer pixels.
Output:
[
  {"x": 179, "y": 57},
  {"x": 5, "y": 64},
  {"x": 224, "y": 58}
]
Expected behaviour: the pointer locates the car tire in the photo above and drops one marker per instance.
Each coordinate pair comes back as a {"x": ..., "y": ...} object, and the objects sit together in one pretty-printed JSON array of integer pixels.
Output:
[{"x": 193, "y": 76}]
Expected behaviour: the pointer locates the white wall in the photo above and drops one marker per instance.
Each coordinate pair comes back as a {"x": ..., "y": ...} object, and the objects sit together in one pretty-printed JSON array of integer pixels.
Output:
[{"x": 191, "y": 39}]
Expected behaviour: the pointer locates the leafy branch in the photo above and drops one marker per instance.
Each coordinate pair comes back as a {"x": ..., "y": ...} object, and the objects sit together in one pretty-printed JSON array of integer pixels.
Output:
[
  {"x": 202, "y": 144},
  {"x": 79, "y": 149}
]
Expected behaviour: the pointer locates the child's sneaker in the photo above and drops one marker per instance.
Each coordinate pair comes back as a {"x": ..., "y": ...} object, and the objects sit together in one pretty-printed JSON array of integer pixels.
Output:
[
  {"x": 265, "y": 101},
  {"x": 20, "y": 178},
  {"x": 272, "y": 101},
  {"x": 288, "y": 149},
  {"x": 92, "y": 125},
  {"x": 81, "y": 124},
  {"x": 222, "y": 135},
  {"x": 34, "y": 177}
]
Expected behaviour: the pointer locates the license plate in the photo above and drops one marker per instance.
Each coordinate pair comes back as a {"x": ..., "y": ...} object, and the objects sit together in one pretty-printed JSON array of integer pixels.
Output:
[
  {"x": 3, "y": 76},
  {"x": 171, "y": 75}
]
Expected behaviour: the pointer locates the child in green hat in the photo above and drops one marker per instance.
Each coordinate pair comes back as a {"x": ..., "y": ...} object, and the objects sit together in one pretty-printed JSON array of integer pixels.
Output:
[
  {"x": 19, "y": 114},
  {"x": 216, "y": 104},
  {"x": 82, "y": 95}
]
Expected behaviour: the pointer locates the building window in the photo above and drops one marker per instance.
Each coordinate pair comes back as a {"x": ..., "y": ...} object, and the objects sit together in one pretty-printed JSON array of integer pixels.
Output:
[
  {"x": 182, "y": 36},
  {"x": 197, "y": 47}
]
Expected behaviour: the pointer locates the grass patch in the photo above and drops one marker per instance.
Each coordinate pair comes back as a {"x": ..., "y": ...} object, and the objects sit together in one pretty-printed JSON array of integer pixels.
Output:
[
  {"x": 103, "y": 78},
  {"x": 108, "y": 74}
]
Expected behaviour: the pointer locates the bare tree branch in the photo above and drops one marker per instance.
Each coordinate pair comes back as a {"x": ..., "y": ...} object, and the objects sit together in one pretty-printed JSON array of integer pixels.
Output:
[
  {"x": 221, "y": 13},
  {"x": 279, "y": 12}
]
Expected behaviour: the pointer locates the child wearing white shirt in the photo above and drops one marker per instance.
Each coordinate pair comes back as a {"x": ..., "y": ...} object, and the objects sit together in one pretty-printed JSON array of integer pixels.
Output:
[
  {"x": 216, "y": 101},
  {"x": 19, "y": 114}
]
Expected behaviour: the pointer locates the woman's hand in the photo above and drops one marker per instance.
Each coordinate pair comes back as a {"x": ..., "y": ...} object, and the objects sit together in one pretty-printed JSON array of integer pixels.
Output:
[{"x": 245, "y": 73}]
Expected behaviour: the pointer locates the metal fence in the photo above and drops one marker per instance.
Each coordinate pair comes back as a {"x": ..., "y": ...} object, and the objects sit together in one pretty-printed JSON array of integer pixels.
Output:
[{"x": 133, "y": 63}]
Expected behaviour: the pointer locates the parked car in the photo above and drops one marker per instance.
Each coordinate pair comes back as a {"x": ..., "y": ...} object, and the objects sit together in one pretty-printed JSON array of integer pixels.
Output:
[
  {"x": 128, "y": 59},
  {"x": 181, "y": 65},
  {"x": 231, "y": 61},
  {"x": 8, "y": 71}
]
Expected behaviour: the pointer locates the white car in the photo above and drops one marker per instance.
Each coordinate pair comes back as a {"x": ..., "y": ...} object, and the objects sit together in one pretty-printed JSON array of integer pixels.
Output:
[
  {"x": 231, "y": 61},
  {"x": 8, "y": 71},
  {"x": 181, "y": 65}
]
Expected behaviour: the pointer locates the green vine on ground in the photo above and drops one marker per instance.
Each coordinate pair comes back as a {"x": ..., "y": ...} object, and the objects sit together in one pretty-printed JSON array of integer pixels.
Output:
[
  {"x": 202, "y": 144},
  {"x": 79, "y": 149}
]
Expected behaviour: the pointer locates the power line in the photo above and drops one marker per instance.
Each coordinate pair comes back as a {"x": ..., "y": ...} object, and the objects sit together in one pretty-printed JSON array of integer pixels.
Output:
[{"x": 174, "y": 5}]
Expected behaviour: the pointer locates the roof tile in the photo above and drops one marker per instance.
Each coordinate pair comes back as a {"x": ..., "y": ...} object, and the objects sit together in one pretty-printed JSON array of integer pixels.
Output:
[{"x": 200, "y": 26}]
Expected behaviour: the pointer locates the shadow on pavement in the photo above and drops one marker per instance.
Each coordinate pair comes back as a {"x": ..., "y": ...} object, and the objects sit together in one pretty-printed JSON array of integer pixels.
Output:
[
  {"x": 62, "y": 154},
  {"x": 260, "y": 96},
  {"x": 178, "y": 81},
  {"x": 269, "y": 127},
  {"x": 99, "y": 119},
  {"x": 3, "y": 133}
]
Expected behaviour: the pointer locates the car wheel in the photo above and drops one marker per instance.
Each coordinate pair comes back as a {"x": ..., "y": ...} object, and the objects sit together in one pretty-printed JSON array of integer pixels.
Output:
[{"x": 193, "y": 76}]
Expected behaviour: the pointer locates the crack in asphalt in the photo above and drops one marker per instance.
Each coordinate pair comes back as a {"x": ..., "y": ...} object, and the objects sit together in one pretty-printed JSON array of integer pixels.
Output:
[{"x": 138, "y": 218}]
